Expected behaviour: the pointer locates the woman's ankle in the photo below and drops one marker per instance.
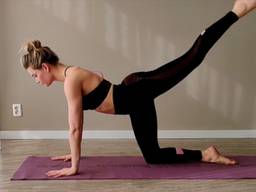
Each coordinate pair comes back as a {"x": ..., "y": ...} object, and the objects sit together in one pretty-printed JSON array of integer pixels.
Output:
[{"x": 243, "y": 7}]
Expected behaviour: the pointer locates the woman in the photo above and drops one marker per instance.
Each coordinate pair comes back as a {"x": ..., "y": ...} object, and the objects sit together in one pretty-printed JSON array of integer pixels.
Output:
[{"x": 134, "y": 96}]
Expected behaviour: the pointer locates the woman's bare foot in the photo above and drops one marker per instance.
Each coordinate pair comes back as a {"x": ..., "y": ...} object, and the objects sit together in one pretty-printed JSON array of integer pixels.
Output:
[
  {"x": 242, "y": 7},
  {"x": 212, "y": 155}
]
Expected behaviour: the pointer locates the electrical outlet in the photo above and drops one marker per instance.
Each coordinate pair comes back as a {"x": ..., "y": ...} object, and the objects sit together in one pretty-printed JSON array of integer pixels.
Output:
[{"x": 16, "y": 110}]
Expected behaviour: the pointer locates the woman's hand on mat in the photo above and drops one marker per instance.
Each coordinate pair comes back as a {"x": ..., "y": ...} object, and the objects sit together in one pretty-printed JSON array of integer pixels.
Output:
[
  {"x": 62, "y": 172},
  {"x": 63, "y": 157}
]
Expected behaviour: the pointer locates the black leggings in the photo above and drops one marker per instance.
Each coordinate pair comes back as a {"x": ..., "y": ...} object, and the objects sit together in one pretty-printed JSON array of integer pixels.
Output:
[{"x": 135, "y": 95}]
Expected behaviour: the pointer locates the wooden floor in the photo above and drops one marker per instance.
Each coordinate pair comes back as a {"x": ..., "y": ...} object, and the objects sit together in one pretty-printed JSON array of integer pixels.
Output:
[{"x": 15, "y": 151}]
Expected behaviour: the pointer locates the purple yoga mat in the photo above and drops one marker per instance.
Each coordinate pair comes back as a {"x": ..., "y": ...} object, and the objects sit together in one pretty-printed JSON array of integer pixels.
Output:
[{"x": 131, "y": 167}]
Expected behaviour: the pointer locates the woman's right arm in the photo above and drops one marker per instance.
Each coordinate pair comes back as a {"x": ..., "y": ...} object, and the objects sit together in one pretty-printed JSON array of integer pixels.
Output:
[
  {"x": 73, "y": 92},
  {"x": 72, "y": 89}
]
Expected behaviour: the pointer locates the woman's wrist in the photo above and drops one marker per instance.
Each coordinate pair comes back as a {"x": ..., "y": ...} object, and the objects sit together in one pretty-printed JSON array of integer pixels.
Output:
[{"x": 75, "y": 169}]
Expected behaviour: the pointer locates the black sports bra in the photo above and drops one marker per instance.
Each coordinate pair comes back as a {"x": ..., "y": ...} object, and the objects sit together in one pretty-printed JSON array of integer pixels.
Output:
[{"x": 93, "y": 99}]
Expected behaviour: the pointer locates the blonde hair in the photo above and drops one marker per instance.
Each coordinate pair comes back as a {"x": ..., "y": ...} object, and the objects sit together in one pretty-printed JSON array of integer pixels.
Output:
[{"x": 36, "y": 54}]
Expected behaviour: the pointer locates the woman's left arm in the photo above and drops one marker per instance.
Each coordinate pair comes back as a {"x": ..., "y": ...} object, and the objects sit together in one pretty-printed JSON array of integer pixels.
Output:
[{"x": 73, "y": 92}]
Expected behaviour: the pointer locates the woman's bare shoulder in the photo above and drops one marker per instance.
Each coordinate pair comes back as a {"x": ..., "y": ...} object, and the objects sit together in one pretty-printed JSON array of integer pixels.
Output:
[
  {"x": 80, "y": 77},
  {"x": 74, "y": 76},
  {"x": 76, "y": 72}
]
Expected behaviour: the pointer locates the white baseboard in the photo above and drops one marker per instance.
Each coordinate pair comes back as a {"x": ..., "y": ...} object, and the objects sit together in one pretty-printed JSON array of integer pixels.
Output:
[{"x": 126, "y": 134}]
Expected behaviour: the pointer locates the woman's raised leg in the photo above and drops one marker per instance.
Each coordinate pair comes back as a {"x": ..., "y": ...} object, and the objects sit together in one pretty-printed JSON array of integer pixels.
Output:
[{"x": 154, "y": 83}]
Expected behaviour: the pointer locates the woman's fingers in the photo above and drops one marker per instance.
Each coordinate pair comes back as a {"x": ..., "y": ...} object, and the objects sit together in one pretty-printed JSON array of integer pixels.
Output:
[
  {"x": 63, "y": 157},
  {"x": 57, "y": 158},
  {"x": 54, "y": 173},
  {"x": 61, "y": 172}
]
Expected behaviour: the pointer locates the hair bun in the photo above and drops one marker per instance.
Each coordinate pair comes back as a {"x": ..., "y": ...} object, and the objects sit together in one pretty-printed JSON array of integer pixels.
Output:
[
  {"x": 33, "y": 46},
  {"x": 37, "y": 44}
]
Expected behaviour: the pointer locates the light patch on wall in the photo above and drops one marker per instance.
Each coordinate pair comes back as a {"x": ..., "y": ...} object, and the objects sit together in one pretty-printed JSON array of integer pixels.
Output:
[
  {"x": 253, "y": 123},
  {"x": 82, "y": 15},
  {"x": 59, "y": 10},
  {"x": 66, "y": 9},
  {"x": 138, "y": 46},
  {"x": 237, "y": 100},
  {"x": 216, "y": 90},
  {"x": 159, "y": 49},
  {"x": 118, "y": 30},
  {"x": 117, "y": 26},
  {"x": 193, "y": 85},
  {"x": 164, "y": 50},
  {"x": 171, "y": 50},
  {"x": 213, "y": 84},
  {"x": 110, "y": 26},
  {"x": 223, "y": 95},
  {"x": 45, "y": 4},
  {"x": 124, "y": 35}
]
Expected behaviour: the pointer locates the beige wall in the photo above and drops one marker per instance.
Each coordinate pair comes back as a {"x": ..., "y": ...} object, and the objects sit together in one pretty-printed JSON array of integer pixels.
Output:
[
  {"x": 118, "y": 37},
  {"x": 1, "y": 63}
]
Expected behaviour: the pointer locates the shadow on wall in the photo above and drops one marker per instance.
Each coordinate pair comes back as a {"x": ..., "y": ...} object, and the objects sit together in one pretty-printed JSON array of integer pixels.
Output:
[
  {"x": 117, "y": 32},
  {"x": 127, "y": 33}
]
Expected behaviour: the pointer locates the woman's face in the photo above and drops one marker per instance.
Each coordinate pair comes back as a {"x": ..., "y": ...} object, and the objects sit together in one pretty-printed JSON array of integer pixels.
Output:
[{"x": 41, "y": 76}]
